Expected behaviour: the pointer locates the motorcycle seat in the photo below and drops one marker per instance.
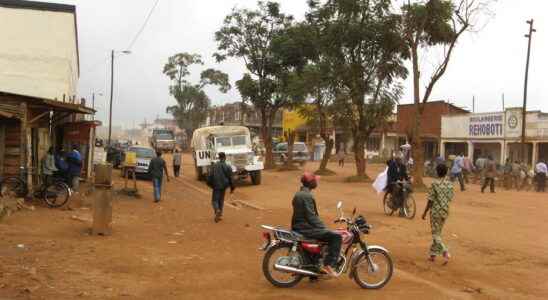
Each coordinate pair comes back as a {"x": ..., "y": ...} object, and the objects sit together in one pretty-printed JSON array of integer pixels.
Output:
[{"x": 301, "y": 238}]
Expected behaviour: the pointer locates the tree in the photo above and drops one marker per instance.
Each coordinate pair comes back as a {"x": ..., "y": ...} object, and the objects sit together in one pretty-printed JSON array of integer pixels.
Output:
[
  {"x": 362, "y": 45},
  {"x": 249, "y": 35},
  {"x": 192, "y": 102},
  {"x": 427, "y": 25}
]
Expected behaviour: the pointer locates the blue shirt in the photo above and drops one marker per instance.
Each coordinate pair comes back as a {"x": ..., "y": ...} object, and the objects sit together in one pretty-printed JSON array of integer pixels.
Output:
[
  {"x": 74, "y": 160},
  {"x": 458, "y": 164}
]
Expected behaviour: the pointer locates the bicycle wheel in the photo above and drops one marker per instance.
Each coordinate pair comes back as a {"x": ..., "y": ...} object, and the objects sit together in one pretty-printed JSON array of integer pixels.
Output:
[
  {"x": 13, "y": 187},
  {"x": 56, "y": 194},
  {"x": 410, "y": 207},
  {"x": 387, "y": 202}
]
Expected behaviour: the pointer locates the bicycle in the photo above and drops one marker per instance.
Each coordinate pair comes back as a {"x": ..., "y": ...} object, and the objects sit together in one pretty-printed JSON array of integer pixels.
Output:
[
  {"x": 409, "y": 208},
  {"x": 54, "y": 192}
]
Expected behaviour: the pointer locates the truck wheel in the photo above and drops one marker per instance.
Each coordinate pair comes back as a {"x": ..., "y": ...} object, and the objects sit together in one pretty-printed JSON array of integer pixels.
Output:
[
  {"x": 256, "y": 177},
  {"x": 199, "y": 174}
]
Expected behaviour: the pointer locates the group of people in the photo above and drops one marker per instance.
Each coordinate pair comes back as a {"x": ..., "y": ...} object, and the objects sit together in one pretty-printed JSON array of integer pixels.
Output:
[
  {"x": 514, "y": 174},
  {"x": 64, "y": 165},
  {"x": 158, "y": 167}
]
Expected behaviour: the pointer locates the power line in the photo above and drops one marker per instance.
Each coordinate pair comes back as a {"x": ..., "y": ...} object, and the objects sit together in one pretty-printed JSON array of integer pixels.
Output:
[{"x": 143, "y": 26}]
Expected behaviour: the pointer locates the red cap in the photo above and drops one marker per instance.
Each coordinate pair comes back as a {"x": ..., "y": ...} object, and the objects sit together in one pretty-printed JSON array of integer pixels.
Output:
[{"x": 309, "y": 177}]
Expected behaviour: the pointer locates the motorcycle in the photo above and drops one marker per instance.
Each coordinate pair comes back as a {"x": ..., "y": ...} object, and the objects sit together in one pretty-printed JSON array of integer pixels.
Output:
[
  {"x": 408, "y": 208},
  {"x": 289, "y": 257}
]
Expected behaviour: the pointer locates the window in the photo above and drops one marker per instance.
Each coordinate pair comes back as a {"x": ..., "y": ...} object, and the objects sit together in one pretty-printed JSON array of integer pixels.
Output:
[
  {"x": 143, "y": 152},
  {"x": 223, "y": 142},
  {"x": 239, "y": 140},
  {"x": 237, "y": 116},
  {"x": 374, "y": 143}
]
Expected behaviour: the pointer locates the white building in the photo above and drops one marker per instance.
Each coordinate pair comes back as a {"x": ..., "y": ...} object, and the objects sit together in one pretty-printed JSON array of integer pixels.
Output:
[{"x": 497, "y": 134}]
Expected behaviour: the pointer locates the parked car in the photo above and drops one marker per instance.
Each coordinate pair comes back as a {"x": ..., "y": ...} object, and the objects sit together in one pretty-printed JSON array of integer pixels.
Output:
[
  {"x": 300, "y": 153},
  {"x": 143, "y": 155},
  {"x": 114, "y": 155}
]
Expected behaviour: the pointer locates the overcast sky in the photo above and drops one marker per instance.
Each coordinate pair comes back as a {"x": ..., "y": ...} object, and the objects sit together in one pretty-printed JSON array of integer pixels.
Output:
[{"x": 485, "y": 64}]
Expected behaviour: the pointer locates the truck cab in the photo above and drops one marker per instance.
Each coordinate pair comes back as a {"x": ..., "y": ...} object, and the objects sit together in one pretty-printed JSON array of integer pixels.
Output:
[
  {"x": 235, "y": 142},
  {"x": 163, "y": 140}
]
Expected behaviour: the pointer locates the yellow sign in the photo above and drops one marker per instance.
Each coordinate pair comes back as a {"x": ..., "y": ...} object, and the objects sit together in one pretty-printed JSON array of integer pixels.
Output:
[
  {"x": 292, "y": 120},
  {"x": 131, "y": 159}
]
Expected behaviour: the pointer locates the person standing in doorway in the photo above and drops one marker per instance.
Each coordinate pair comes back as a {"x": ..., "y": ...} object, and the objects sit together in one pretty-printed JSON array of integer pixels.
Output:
[
  {"x": 219, "y": 179},
  {"x": 542, "y": 171},
  {"x": 490, "y": 174},
  {"x": 177, "y": 162},
  {"x": 156, "y": 169},
  {"x": 48, "y": 166},
  {"x": 439, "y": 196},
  {"x": 74, "y": 160},
  {"x": 456, "y": 171}
]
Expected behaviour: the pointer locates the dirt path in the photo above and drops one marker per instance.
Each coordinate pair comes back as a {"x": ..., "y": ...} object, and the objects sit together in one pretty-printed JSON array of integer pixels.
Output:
[{"x": 173, "y": 250}]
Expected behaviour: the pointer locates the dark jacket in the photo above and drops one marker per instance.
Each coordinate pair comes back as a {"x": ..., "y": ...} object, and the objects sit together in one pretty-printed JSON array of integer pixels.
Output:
[
  {"x": 396, "y": 172},
  {"x": 306, "y": 220},
  {"x": 221, "y": 176}
]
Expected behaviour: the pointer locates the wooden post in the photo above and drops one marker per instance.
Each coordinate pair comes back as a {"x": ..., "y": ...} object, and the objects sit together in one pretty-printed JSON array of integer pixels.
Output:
[{"x": 102, "y": 206}]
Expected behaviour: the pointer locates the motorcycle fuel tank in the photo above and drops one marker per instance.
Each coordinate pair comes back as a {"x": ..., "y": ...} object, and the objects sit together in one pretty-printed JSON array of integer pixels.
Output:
[{"x": 346, "y": 235}]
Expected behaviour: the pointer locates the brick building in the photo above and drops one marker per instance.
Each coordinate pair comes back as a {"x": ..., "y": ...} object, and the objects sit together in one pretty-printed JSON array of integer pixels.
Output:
[
  {"x": 430, "y": 123},
  {"x": 238, "y": 113}
]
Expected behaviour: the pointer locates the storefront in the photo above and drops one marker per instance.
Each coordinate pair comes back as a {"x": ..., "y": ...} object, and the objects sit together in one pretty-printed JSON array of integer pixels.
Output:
[
  {"x": 496, "y": 134},
  {"x": 81, "y": 134}
]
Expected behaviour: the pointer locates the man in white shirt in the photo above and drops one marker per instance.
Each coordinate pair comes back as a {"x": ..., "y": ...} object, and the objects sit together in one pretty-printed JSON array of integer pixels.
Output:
[{"x": 542, "y": 170}]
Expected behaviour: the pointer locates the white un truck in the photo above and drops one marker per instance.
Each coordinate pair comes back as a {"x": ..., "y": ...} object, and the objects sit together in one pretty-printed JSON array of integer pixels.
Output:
[{"x": 235, "y": 142}]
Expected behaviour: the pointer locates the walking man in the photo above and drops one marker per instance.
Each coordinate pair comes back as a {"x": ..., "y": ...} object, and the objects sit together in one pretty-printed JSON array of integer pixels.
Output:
[
  {"x": 456, "y": 171},
  {"x": 468, "y": 169},
  {"x": 177, "y": 161},
  {"x": 516, "y": 175},
  {"x": 542, "y": 171},
  {"x": 340, "y": 156},
  {"x": 490, "y": 174},
  {"x": 219, "y": 179},
  {"x": 439, "y": 197},
  {"x": 507, "y": 174},
  {"x": 74, "y": 160},
  {"x": 156, "y": 169}
]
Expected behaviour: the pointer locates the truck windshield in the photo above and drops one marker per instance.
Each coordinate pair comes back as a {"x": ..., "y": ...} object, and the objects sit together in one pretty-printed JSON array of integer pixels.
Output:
[
  {"x": 143, "y": 152},
  {"x": 227, "y": 141},
  {"x": 164, "y": 136}
]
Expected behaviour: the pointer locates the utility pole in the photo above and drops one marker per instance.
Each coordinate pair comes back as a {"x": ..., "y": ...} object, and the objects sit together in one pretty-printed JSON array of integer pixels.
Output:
[
  {"x": 524, "y": 108},
  {"x": 111, "y": 95},
  {"x": 473, "y": 104},
  {"x": 93, "y": 105}
]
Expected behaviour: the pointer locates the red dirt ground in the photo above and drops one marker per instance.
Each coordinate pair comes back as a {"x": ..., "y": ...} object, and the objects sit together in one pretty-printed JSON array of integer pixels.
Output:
[{"x": 173, "y": 250}]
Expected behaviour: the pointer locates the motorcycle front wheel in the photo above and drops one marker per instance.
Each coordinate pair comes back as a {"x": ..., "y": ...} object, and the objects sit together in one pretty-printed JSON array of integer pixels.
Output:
[
  {"x": 375, "y": 272},
  {"x": 280, "y": 278}
]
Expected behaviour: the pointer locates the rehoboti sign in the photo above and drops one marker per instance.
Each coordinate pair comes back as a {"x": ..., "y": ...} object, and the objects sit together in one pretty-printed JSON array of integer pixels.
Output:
[{"x": 486, "y": 126}]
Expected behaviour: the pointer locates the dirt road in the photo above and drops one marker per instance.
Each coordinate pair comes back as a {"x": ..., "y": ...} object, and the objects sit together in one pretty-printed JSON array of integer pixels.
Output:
[{"x": 173, "y": 250}]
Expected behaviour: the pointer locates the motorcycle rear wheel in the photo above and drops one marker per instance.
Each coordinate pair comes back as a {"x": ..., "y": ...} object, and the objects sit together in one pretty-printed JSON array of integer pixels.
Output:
[
  {"x": 383, "y": 267},
  {"x": 275, "y": 277}
]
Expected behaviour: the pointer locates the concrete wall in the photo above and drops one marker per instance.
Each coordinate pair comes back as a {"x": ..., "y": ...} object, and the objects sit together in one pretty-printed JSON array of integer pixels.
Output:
[{"x": 38, "y": 56}]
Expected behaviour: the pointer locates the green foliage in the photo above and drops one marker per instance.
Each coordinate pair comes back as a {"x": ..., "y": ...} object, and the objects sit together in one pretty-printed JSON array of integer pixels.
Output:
[
  {"x": 360, "y": 45},
  {"x": 257, "y": 37},
  {"x": 192, "y": 102}
]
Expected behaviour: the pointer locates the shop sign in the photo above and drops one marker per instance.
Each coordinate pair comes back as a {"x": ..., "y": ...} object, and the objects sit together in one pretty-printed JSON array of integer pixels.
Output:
[{"x": 486, "y": 126}]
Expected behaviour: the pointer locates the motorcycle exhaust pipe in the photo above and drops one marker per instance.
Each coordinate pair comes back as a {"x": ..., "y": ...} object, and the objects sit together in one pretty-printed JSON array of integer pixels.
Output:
[{"x": 295, "y": 270}]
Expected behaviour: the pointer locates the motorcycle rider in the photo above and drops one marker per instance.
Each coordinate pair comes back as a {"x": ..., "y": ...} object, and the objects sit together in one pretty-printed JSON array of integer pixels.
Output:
[
  {"x": 306, "y": 221},
  {"x": 396, "y": 172}
]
